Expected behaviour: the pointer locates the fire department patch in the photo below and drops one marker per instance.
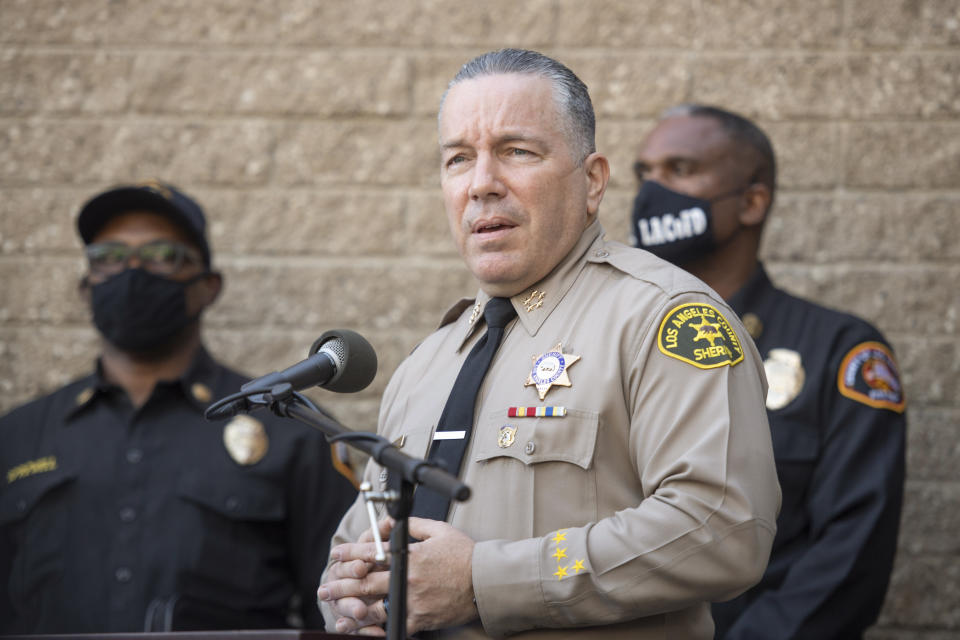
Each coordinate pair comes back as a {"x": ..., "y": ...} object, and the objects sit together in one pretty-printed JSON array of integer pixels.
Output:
[
  {"x": 868, "y": 374},
  {"x": 699, "y": 335}
]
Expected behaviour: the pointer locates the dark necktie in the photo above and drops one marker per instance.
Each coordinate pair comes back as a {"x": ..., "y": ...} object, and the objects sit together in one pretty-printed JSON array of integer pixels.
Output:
[{"x": 448, "y": 445}]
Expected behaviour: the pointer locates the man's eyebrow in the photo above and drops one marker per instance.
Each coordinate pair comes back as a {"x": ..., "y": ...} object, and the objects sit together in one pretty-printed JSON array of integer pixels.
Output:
[{"x": 512, "y": 137}]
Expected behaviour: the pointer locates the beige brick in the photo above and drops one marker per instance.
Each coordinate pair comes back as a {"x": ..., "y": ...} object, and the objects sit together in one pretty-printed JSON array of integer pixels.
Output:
[
  {"x": 632, "y": 85},
  {"x": 809, "y": 154},
  {"x": 427, "y": 230},
  {"x": 37, "y": 221},
  {"x": 904, "y": 155},
  {"x": 873, "y": 227},
  {"x": 370, "y": 293},
  {"x": 924, "y": 592},
  {"x": 921, "y": 85},
  {"x": 931, "y": 516},
  {"x": 747, "y": 24},
  {"x": 914, "y": 299},
  {"x": 903, "y": 23},
  {"x": 431, "y": 74},
  {"x": 942, "y": 20},
  {"x": 931, "y": 369},
  {"x": 773, "y": 86},
  {"x": 620, "y": 141},
  {"x": 316, "y": 84},
  {"x": 933, "y": 452},
  {"x": 37, "y": 360},
  {"x": 63, "y": 82},
  {"x": 187, "y": 153},
  {"x": 626, "y": 25},
  {"x": 42, "y": 290},
  {"x": 308, "y": 222},
  {"x": 615, "y": 212},
  {"x": 349, "y": 152}
]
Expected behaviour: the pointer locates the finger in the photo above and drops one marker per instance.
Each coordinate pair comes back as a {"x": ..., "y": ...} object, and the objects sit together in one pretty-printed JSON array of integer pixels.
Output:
[
  {"x": 350, "y": 569},
  {"x": 385, "y": 526},
  {"x": 365, "y": 551},
  {"x": 348, "y": 625},
  {"x": 423, "y": 528},
  {"x": 374, "y": 586}
]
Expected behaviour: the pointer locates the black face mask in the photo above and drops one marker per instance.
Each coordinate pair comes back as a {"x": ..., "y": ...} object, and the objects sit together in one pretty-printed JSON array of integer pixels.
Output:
[
  {"x": 138, "y": 311},
  {"x": 672, "y": 225}
]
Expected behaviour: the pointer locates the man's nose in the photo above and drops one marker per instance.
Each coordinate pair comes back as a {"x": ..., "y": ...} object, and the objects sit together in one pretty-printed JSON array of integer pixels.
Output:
[{"x": 486, "y": 180}]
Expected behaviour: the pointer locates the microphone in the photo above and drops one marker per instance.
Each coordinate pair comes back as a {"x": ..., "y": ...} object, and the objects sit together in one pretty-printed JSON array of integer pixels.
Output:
[{"x": 340, "y": 360}]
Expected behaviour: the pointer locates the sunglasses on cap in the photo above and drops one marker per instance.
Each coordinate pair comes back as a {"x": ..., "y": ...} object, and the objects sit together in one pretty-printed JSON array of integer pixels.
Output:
[{"x": 161, "y": 257}]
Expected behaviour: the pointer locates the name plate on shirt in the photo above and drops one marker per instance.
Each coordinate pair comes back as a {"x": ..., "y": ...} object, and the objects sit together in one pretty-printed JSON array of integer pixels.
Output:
[{"x": 449, "y": 435}]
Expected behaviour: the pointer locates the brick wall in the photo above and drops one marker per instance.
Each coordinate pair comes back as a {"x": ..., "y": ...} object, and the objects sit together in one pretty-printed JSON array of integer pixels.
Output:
[{"x": 307, "y": 129}]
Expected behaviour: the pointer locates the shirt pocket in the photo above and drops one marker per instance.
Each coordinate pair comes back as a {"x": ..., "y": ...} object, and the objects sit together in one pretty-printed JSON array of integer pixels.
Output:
[
  {"x": 34, "y": 513},
  {"x": 235, "y": 533},
  {"x": 543, "y": 475}
]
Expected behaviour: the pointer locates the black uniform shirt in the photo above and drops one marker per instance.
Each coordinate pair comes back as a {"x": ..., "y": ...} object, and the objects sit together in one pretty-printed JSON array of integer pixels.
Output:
[
  {"x": 836, "y": 409},
  {"x": 107, "y": 512}
]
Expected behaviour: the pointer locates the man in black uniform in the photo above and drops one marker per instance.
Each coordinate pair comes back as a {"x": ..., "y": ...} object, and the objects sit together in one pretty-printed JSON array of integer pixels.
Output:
[
  {"x": 121, "y": 508},
  {"x": 835, "y": 403}
]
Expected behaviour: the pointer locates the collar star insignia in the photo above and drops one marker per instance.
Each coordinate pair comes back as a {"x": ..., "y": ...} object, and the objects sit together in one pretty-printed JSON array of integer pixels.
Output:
[
  {"x": 550, "y": 369},
  {"x": 475, "y": 314},
  {"x": 534, "y": 300}
]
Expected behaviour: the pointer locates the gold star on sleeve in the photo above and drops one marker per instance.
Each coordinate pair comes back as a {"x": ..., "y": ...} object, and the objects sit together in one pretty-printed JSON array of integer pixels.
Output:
[
  {"x": 560, "y": 553},
  {"x": 578, "y": 566},
  {"x": 561, "y": 573},
  {"x": 559, "y": 537}
]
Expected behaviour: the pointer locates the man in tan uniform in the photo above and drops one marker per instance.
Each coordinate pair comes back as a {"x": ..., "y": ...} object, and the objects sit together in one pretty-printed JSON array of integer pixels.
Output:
[{"x": 620, "y": 458}]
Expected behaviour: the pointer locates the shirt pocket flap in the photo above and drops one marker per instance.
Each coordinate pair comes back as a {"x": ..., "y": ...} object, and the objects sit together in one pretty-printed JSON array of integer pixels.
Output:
[
  {"x": 236, "y": 498},
  {"x": 18, "y": 499},
  {"x": 570, "y": 438}
]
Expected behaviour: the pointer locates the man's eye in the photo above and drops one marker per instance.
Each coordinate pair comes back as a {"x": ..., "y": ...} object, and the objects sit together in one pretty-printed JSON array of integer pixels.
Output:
[
  {"x": 457, "y": 159},
  {"x": 516, "y": 151}
]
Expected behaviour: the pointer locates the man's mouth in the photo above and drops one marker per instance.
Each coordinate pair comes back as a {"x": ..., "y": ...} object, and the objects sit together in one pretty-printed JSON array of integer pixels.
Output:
[{"x": 492, "y": 226}]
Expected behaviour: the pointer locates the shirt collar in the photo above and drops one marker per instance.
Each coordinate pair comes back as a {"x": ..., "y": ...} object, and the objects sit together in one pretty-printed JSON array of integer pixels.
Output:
[
  {"x": 750, "y": 294},
  {"x": 535, "y": 304},
  {"x": 197, "y": 384}
]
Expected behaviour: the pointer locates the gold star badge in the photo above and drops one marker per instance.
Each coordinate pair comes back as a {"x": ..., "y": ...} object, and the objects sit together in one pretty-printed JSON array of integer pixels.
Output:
[
  {"x": 550, "y": 369},
  {"x": 578, "y": 566},
  {"x": 560, "y": 536},
  {"x": 561, "y": 572},
  {"x": 707, "y": 331}
]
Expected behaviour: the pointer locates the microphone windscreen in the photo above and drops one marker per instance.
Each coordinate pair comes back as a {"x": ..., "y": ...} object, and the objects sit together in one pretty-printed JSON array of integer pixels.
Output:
[{"x": 356, "y": 360}]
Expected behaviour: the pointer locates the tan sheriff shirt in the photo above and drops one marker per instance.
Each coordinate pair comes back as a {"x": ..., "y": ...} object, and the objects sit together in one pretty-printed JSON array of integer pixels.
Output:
[{"x": 650, "y": 490}]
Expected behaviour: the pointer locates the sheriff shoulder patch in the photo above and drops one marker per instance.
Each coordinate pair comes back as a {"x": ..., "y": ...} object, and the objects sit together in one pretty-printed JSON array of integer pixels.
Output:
[
  {"x": 698, "y": 334},
  {"x": 868, "y": 374}
]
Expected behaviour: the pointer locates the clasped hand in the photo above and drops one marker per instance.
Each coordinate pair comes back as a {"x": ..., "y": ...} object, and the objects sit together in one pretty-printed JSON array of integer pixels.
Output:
[{"x": 439, "y": 580}]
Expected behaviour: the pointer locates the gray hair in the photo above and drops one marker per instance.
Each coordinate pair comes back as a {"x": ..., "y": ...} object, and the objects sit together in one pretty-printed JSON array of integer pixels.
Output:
[{"x": 569, "y": 92}]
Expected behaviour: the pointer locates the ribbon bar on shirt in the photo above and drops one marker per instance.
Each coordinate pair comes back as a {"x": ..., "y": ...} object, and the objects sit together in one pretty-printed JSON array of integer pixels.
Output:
[{"x": 536, "y": 412}]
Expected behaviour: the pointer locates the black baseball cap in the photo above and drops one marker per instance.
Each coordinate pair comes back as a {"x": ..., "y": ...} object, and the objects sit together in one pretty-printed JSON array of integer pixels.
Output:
[{"x": 153, "y": 196}]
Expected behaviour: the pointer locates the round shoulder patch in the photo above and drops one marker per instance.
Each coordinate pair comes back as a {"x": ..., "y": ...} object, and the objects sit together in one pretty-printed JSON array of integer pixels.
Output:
[
  {"x": 699, "y": 335},
  {"x": 869, "y": 374}
]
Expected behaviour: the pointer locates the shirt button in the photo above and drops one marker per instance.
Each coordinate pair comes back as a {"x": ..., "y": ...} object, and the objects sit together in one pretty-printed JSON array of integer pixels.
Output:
[
  {"x": 233, "y": 503},
  {"x": 128, "y": 514},
  {"x": 134, "y": 456},
  {"x": 123, "y": 574},
  {"x": 530, "y": 448},
  {"x": 601, "y": 253}
]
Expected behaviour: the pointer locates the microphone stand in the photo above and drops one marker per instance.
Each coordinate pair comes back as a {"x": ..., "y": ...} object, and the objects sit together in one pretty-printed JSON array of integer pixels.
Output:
[{"x": 411, "y": 471}]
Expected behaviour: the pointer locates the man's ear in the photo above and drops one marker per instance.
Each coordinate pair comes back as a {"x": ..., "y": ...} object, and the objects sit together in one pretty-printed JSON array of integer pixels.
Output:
[
  {"x": 757, "y": 198},
  {"x": 597, "y": 170},
  {"x": 210, "y": 287}
]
